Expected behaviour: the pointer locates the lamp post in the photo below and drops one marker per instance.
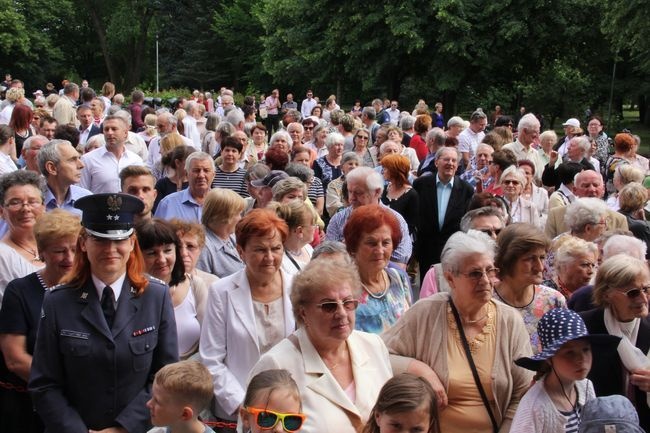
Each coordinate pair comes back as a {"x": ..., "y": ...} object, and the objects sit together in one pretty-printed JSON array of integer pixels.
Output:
[{"x": 157, "y": 72}]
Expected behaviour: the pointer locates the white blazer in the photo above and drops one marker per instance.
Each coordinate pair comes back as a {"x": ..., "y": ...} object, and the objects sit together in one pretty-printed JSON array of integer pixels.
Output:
[
  {"x": 327, "y": 406},
  {"x": 229, "y": 345}
]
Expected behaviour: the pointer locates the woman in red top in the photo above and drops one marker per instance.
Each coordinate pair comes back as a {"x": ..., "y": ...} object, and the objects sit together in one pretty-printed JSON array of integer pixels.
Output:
[{"x": 418, "y": 141}]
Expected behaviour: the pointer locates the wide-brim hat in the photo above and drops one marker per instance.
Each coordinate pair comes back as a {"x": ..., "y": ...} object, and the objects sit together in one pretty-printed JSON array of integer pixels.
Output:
[
  {"x": 109, "y": 216},
  {"x": 559, "y": 326}
]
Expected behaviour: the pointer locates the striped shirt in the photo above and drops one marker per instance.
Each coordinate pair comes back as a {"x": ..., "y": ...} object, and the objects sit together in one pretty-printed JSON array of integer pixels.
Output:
[{"x": 231, "y": 180}]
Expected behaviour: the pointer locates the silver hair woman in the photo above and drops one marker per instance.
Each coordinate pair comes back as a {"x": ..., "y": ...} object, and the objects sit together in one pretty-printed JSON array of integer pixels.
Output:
[
  {"x": 324, "y": 299},
  {"x": 621, "y": 295},
  {"x": 513, "y": 180},
  {"x": 495, "y": 333},
  {"x": 328, "y": 167},
  {"x": 586, "y": 218}
]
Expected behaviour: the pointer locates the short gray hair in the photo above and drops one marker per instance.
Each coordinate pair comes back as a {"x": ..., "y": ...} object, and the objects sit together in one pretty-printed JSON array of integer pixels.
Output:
[
  {"x": 197, "y": 156},
  {"x": 213, "y": 120},
  {"x": 461, "y": 245},
  {"x": 583, "y": 211},
  {"x": 616, "y": 272},
  {"x": 385, "y": 144},
  {"x": 168, "y": 117},
  {"x": 50, "y": 152},
  {"x": 468, "y": 219},
  {"x": 235, "y": 117},
  {"x": 284, "y": 134},
  {"x": 350, "y": 156},
  {"x": 528, "y": 121},
  {"x": 623, "y": 244},
  {"x": 570, "y": 249},
  {"x": 445, "y": 149},
  {"x": 437, "y": 136},
  {"x": 373, "y": 180},
  {"x": 334, "y": 138},
  {"x": 332, "y": 247},
  {"x": 369, "y": 112},
  {"x": 124, "y": 115},
  {"x": 515, "y": 171},
  {"x": 285, "y": 186},
  {"x": 28, "y": 143},
  {"x": 225, "y": 129},
  {"x": 407, "y": 122}
]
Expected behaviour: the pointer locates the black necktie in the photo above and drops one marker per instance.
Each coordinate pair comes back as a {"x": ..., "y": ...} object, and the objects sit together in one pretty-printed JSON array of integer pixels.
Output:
[{"x": 108, "y": 307}]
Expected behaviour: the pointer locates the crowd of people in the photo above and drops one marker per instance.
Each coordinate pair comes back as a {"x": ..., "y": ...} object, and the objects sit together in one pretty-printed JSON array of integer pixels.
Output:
[{"x": 295, "y": 267}]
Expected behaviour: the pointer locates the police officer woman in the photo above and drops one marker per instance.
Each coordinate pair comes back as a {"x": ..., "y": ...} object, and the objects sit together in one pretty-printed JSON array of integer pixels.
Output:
[{"x": 106, "y": 332}]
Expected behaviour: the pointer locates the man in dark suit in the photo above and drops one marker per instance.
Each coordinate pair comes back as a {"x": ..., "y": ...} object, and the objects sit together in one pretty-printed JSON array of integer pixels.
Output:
[
  {"x": 105, "y": 334},
  {"x": 87, "y": 127},
  {"x": 443, "y": 202}
]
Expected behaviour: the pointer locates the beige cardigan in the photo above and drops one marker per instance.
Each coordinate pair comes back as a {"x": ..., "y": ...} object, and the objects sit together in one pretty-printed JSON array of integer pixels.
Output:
[{"x": 421, "y": 333}]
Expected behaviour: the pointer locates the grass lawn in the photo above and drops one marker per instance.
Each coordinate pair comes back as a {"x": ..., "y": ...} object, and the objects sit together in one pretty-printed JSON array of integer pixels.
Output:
[{"x": 631, "y": 122}]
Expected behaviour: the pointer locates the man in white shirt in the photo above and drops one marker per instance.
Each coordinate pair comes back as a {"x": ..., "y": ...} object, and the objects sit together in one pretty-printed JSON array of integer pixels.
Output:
[
  {"x": 393, "y": 113},
  {"x": 102, "y": 166},
  {"x": 471, "y": 137},
  {"x": 166, "y": 123},
  {"x": 189, "y": 122},
  {"x": 528, "y": 132},
  {"x": 308, "y": 104}
]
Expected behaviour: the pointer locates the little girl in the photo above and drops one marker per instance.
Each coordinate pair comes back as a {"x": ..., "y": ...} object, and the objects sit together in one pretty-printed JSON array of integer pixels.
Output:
[
  {"x": 555, "y": 401},
  {"x": 272, "y": 403},
  {"x": 405, "y": 403}
]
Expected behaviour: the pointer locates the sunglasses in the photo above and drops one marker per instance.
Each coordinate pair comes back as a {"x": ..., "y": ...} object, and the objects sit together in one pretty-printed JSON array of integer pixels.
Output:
[
  {"x": 330, "y": 307},
  {"x": 510, "y": 182},
  {"x": 308, "y": 128},
  {"x": 635, "y": 292},
  {"x": 267, "y": 419}
]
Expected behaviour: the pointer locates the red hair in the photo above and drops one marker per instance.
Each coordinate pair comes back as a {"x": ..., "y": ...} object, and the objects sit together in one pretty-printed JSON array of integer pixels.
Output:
[
  {"x": 260, "y": 223},
  {"x": 398, "y": 167},
  {"x": 80, "y": 273},
  {"x": 366, "y": 219},
  {"x": 21, "y": 117}
]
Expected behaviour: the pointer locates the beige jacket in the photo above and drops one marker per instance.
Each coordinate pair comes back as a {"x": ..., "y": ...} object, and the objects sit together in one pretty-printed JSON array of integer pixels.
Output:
[{"x": 421, "y": 333}]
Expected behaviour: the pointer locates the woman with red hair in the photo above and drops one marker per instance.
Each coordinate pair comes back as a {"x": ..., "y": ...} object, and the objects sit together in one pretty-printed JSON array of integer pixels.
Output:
[
  {"x": 370, "y": 236},
  {"x": 105, "y": 333},
  {"x": 21, "y": 122},
  {"x": 398, "y": 194},
  {"x": 247, "y": 312}
]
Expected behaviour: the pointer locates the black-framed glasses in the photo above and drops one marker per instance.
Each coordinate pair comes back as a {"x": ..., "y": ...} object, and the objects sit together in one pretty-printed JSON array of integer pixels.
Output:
[
  {"x": 477, "y": 274},
  {"x": 267, "y": 419},
  {"x": 510, "y": 182},
  {"x": 636, "y": 291},
  {"x": 330, "y": 307}
]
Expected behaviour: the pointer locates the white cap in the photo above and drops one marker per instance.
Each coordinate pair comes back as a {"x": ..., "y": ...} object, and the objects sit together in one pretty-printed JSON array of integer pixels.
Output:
[{"x": 572, "y": 122}]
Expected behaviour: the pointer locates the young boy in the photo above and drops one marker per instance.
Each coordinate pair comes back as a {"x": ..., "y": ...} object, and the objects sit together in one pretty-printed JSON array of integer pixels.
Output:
[{"x": 180, "y": 392}]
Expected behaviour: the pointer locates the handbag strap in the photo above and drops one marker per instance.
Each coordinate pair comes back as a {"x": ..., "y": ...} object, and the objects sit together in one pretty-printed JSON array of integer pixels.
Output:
[{"x": 477, "y": 379}]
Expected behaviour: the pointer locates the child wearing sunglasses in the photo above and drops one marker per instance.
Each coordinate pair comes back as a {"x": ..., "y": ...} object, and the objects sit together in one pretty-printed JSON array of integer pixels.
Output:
[
  {"x": 555, "y": 402},
  {"x": 405, "y": 403},
  {"x": 272, "y": 403},
  {"x": 180, "y": 392}
]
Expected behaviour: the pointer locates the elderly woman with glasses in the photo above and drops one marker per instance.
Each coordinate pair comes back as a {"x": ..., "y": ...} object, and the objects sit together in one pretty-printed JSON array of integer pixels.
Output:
[
  {"x": 621, "y": 296},
  {"x": 470, "y": 327},
  {"x": 339, "y": 370},
  {"x": 513, "y": 181},
  {"x": 21, "y": 203},
  {"x": 522, "y": 251}
]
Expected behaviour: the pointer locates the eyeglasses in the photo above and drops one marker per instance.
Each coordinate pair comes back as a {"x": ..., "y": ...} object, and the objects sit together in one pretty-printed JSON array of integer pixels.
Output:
[
  {"x": 267, "y": 419},
  {"x": 635, "y": 292},
  {"x": 478, "y": 274},
  {"x": 491, "y": 232},
  {"x": 510, "y": 182},
  {"x": 308, "y": 128},
  {"x": 330, "y": 307},
  {"x": 362, "y": 137},
  {"x": 18, "y": 204}
]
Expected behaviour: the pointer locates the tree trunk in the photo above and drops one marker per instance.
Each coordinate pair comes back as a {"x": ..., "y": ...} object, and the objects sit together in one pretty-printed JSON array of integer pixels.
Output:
[
  {"x": 134, "y": 72},
  {"x": 100, "y": 29}
]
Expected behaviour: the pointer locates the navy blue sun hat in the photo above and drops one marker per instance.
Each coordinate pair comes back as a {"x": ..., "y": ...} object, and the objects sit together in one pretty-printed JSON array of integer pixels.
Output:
[
  {"x": 109, "y": 216},
  {"x": 559, "y": 326}
]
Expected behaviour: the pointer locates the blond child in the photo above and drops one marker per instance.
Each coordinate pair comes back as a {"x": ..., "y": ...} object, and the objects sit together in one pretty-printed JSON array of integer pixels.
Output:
[{"x": 180, "y": 392}]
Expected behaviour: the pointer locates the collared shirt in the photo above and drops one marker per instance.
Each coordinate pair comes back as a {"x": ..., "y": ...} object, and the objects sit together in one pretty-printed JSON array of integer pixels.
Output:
[
  {"x": 401, "y": 253},
  {"x": 306, "y": 107},
  {"x": 74, "y": 193},
  {"x": 180, "y": 205},
  {"x": 192, "y": 131},
  {"x": 101, "y": 172},
  {"x": 469, "y": 140},
  {"x": 83, "y": 134},
  {"x": 567, "y": 193},
  {"x": 293, "y": 105},
  {"x": 530, "y": 154},
  {"x": 443, "y": 193},
  {"x": 219, "y": 257},
  {"x": 116, "y": 287}
]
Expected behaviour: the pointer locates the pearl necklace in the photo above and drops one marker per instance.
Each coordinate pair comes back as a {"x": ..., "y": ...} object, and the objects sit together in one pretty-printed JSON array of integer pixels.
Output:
[{"x": 381, "y": 294}]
